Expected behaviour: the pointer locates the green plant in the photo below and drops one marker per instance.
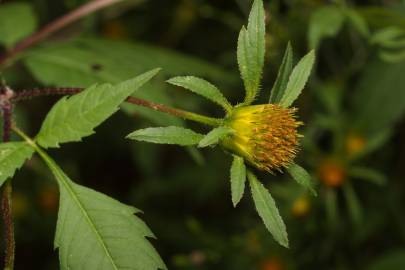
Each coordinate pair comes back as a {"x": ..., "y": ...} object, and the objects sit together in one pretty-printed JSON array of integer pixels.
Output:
[{"x": 262, "y": 136}]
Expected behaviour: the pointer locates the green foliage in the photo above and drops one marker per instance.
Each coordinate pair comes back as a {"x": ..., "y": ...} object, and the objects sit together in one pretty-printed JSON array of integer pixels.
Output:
[
  {"x": 327, "y": 21},
  {"x": 298, "y": 79},
  {"x": 324, "y": 22},
  {"x": 167, "y": 135},
  {"x": 96, "y": 232},
  {"x": 74, "y": 118},
  {"x": 203, "y": 88},
  {"x": 251, "y": 50},
  {"x": 392, "y": 260},
  {"x": 284, "y": 73},
  {"x": 12, "y": 156},
  {"x": 267, "y": 210},
  {"x": 17, "y": 20},
  {"x": 353, "y": 204},
  {"x": 302, "y": 177},
  {"x": 368, "y": 174},
  {"x": 78, "y": 63},
  {"x": 215, "y": 135},
  {"x": 238, "y": 179},
  {"x": 379, "y": 96}
]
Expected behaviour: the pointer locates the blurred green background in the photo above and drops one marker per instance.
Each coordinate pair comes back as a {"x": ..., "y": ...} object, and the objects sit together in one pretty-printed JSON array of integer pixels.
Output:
[{"x": 353, "y": 141}]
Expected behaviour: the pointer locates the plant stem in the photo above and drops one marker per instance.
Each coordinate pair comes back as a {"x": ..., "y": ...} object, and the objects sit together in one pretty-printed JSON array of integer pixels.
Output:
[
  {"x": 54, "y": 26},
  {"x": 176, "y": 112},
  {"x": 6, "y": 200},
  {"x": 27, "y": 94}
]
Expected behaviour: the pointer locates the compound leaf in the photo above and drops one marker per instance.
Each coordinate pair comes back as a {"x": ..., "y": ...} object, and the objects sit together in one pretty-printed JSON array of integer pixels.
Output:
[
  {"x": 73, "y": 118},
  {"x": 94, "y": 231},
  {"x": 12, "y": 156}
]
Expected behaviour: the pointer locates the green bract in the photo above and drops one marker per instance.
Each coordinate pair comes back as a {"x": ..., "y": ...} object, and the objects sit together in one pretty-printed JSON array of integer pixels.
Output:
[{"x": 228, "y": 134}]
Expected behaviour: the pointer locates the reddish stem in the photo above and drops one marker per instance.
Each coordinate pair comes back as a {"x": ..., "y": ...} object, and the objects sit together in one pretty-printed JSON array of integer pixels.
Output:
[{"x": 6, "y": 200}]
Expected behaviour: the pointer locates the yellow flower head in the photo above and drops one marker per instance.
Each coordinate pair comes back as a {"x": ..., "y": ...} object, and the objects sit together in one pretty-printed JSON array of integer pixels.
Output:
[{"x": 264, "y": 135}]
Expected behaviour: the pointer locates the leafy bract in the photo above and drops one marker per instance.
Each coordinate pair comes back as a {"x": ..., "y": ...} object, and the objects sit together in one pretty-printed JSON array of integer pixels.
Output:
[
  {"x": 167, "y": 135},
  {"x": 94, "y": 231},
  {"x": 284, "y": 72},
  {"x": 12, "y": 156},
  {"x": 214, "y": 136},
  {"x": 298, "y": 79},
  {"x": 17, "y": 20},
  {"x": 302, "y": 177},
  {"x": 267, "y": 209},
  {"x": 251, "y": 51},
  {"x": 73, "y": 118},
  {"x": 203, "y": 88},
  {"x": 238, "y": 179}
]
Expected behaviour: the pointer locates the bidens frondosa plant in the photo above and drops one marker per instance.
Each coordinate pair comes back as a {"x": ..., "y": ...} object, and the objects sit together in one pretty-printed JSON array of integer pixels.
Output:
[{"x": 263, "y": 136}]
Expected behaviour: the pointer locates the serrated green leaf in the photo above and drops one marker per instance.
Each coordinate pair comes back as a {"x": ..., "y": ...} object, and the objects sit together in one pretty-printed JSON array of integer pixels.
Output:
[
  {"x": 74, "y": 118},
  {"x": 302, "y": 177},
  {"x": 284, "y": 73},
  {"x": 203, "y": 88},
  {"x": 214, "y": 136},
  {"x": 267, "y": 210},
  {"x": 324, "y": 22},
  {"x": 238, "y": 179},
  {"x": 251, "y": 51},
  {"x": 17, "y": 20},
  {"x": 298, "y": 79},
  {"x": 94, "y": 231},
  {"x": 167, "y": 135},
  {"x": 12, "y": 156}
]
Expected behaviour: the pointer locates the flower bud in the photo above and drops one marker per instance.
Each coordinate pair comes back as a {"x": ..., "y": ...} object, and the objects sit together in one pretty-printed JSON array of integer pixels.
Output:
[{"x": 264, "y": 135}]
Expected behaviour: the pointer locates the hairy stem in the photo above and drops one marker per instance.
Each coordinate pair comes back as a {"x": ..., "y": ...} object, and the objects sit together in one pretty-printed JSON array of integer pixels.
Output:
[
  {"x": 27, "y": 94},
  {"x": 6, "y": 200},
  {"x": 54, "y": 26}
]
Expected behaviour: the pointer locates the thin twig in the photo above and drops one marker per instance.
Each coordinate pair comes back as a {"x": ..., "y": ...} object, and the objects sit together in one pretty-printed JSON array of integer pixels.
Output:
[
  {"x": 6, "y": 200},
  {"x": 54, "y": 26},
  {"x": 27, "y": 94}
]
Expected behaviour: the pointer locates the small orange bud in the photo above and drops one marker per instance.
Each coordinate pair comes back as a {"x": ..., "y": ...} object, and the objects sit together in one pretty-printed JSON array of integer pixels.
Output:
[
  {"x": 265, "y": 135},
  {"x": 301, "y": 207},
  {"x": 115, "y": 30},
  {"x": 49, "y": 199},
  {"x": 332, "y": 173},
  {"x": 354, "y": 144},
  {"x": 272, "y": 264}
]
